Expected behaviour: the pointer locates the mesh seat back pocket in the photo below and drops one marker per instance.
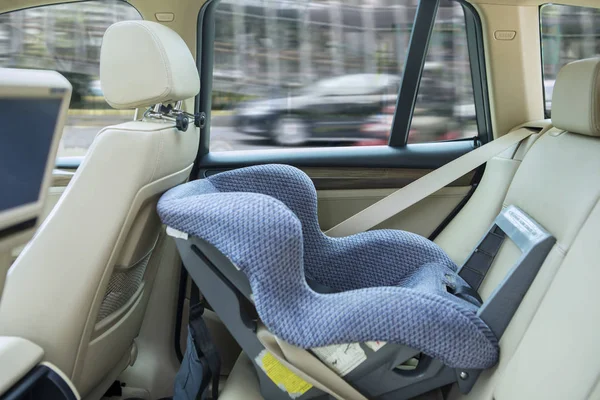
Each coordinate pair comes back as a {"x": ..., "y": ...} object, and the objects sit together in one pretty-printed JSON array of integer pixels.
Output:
[{"x": 122, "y": 286}]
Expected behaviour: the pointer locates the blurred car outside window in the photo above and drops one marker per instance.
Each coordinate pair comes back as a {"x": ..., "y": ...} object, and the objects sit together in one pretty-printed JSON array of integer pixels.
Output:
[{"x": 327, "y": 73}]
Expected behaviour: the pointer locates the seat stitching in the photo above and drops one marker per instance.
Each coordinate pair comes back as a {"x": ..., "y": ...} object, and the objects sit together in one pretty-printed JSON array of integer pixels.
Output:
[{"x": 158, "y": 157}]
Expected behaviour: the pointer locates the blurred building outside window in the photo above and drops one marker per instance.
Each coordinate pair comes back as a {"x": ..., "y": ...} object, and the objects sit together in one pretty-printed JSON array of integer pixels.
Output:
[
  {"x": 67, "y": 38},
  {"x": 569, "y": 33}
]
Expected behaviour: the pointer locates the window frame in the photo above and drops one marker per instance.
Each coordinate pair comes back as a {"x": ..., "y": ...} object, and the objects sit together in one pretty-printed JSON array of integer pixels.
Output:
[
  {"x": 418, "y": 45},
  {"x": 476, "y": 53},
  {"x": 547, "y": 112},
  {"x": 409, "y": 84},
  {"x": 415, "y": 63}
]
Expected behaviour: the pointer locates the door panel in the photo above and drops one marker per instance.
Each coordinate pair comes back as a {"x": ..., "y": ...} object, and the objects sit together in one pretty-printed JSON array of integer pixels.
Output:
[
  {"x": 370, "y": 178},
  {"x": 343, "y": 192},
  {"x": 422, "y": 218},
  {"x": 349, "y": 180}
]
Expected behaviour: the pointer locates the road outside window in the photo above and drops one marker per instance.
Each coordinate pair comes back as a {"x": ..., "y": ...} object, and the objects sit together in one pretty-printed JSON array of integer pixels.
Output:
[{"x": 327, "y": 73}]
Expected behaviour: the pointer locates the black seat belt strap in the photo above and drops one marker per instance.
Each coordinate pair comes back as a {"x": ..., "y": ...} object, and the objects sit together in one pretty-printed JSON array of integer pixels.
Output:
[
  {"x": 195, "y": 297},
  {"x": 203, "y": 343},
  {"x": 480, "y": 261}
]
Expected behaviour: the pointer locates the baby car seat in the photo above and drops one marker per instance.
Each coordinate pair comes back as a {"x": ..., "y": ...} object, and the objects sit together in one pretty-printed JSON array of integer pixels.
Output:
[{"x": 251, "y": 241}]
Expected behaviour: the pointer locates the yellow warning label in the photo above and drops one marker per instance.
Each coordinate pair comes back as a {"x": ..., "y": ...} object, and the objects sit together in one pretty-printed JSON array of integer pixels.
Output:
[{"x": 285, "y": 379}]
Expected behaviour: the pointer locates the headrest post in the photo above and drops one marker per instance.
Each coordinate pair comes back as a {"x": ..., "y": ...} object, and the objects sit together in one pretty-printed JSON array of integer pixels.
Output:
[{"x": 170, "y": 113}]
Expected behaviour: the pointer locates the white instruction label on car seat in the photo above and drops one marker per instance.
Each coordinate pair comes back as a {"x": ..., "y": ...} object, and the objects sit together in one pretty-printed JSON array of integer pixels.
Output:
[
  {"x": 375, "y": 345},
  {"x": 342, "y": 358},
  {"x": 522, "y": 222}
]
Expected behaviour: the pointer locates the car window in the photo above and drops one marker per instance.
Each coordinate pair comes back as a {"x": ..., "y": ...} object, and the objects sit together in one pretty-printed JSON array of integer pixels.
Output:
[
  {"x": 445, "y": 107},
  {"x": 327, "y": 73},
  {"x": 568, "y": 34},
  {"x": 67, "y": 38}
]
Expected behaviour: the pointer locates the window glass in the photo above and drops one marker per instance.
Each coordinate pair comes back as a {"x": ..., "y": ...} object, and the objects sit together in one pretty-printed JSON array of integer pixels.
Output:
[
  {"x": 327, "y": 73},
  {"x": 445, "y": 108},
  {"x": 67, "y": 38},
  {"x": 569, "y": 33}
]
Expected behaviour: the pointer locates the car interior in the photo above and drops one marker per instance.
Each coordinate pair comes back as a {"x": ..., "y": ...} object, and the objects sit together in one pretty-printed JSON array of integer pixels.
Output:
[{"x": 184, "y": 215}]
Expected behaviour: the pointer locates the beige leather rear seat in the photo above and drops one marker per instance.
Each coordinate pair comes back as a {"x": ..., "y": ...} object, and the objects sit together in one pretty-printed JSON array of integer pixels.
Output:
[{"x": 550, "y": 349}]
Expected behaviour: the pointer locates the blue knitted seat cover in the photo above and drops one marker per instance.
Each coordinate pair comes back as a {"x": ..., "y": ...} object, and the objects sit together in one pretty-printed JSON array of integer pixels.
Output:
[{"x": 391, "y": 283}]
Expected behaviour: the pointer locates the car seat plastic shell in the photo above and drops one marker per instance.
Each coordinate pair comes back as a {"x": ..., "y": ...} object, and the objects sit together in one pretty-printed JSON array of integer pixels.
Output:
[
  {"x": 264, "y": 238},
  {"x": 247, "y": 250}
]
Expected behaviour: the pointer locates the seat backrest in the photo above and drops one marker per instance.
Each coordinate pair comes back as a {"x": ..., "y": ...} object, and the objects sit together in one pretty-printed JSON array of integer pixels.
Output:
[
  {"x": 81, "y": 287},
  {"x": 557, "y": 184}
]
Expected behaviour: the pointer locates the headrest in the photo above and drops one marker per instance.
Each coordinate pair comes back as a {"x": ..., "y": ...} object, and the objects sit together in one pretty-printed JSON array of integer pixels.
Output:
[
  {"x": 143, "y": 63},
  {"x": 576, "y": 98}
]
